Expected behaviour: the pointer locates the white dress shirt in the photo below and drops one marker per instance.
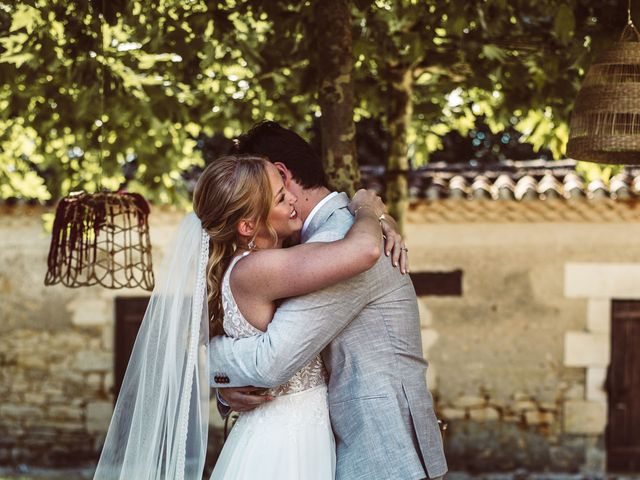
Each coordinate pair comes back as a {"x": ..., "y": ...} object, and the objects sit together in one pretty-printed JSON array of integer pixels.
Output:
[{"x": 315, "y": 209}]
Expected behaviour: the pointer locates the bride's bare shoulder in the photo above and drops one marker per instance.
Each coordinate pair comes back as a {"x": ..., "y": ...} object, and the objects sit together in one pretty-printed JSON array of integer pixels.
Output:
[{"x": 252, "y": 270}]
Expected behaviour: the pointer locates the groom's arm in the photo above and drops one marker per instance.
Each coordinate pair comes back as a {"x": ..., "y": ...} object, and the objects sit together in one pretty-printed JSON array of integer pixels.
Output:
[{"x": 300, "y": 329}]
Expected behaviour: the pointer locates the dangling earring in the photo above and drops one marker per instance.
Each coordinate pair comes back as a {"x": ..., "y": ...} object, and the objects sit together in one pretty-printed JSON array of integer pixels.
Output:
[{"x": 251, "y": 245}]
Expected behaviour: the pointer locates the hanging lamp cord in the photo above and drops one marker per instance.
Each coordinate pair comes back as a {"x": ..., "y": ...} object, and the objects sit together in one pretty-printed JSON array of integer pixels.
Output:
[
  {"x": 630, "y": 29},
  {"x": 102, "y": 88}
]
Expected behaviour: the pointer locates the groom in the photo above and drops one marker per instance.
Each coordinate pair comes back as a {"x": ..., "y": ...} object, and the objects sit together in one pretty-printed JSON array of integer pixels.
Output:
[{"x": 367, "y": 328}]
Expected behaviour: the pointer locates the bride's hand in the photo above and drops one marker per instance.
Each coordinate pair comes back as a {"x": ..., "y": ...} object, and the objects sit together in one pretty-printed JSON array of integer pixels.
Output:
[
  {"x": 394, "y": 245},
  {"x": 367, "y": 199}
]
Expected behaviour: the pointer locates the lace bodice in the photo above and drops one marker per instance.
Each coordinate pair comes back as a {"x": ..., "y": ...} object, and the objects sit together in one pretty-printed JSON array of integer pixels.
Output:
[{"x": 236, "y": 326}]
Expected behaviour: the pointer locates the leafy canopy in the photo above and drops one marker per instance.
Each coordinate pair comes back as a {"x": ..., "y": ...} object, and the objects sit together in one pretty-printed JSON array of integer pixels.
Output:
[{"x": 112, "y": 92}]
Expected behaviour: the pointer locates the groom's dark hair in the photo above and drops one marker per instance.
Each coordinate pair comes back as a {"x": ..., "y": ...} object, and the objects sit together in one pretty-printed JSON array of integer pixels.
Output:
[{"x": 279, "y": 144}]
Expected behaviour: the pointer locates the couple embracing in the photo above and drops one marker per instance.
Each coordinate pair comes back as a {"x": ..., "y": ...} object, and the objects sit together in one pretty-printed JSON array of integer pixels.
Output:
[{"x": 317, "y": 345}]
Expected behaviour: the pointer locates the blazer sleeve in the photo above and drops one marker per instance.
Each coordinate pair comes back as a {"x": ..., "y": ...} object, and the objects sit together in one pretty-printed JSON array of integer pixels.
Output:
[{"x": 300, "y": 329}]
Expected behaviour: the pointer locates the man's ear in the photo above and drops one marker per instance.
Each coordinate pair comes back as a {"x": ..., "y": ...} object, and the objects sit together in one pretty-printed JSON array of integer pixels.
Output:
[
  {"x": 285, "y": 173},
  {"x": 246, "y": 228}
]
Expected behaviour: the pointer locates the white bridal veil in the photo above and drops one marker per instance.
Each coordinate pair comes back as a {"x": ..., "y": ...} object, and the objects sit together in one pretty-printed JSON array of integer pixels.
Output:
[{"x": 159, "y": 427}]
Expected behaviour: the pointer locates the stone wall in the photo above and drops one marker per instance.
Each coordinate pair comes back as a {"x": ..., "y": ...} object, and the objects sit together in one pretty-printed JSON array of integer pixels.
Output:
[
  {"x": 498, "y": 366},
  {"x": 498, "y": 354},
  {"x": 56, "y": 348}
]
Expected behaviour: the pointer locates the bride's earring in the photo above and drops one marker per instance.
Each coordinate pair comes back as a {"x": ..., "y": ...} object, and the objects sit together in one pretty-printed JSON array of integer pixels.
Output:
[{"x": 251, "y": 245}]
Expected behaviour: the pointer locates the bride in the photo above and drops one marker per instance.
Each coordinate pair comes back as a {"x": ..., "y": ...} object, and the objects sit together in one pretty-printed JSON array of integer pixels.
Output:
[{"x": 225, "y": 274}]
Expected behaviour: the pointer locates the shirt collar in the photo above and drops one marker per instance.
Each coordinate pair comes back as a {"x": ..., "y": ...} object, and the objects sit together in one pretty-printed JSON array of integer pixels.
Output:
[{"x": 315, "y": 209}]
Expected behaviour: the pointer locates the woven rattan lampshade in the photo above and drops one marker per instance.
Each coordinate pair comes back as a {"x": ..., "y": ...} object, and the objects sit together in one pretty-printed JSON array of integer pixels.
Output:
[
  {"x": 101, "y": 239},
  {"x": 605, "y": 124}
]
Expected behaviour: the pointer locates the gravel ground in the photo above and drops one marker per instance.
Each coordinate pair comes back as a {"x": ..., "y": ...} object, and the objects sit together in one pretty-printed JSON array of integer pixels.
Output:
[{"x": 26, "y": 473}]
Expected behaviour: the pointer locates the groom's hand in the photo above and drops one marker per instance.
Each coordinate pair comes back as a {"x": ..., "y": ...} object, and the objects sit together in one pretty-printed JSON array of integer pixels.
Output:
[{"x": 243, "y": 399}]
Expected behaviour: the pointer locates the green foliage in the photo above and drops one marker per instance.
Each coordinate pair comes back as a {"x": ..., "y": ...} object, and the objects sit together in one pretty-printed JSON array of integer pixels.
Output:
[
  {"x": 597, "y": 171},
  {"x": 170, "y": 71},
  {"x": 503, "y": 60},
  {"x": 174, "y": 70}
]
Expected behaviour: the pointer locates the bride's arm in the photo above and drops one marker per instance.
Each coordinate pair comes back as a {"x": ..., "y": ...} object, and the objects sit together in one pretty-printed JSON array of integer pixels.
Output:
[{"x": 287, "y": 272}]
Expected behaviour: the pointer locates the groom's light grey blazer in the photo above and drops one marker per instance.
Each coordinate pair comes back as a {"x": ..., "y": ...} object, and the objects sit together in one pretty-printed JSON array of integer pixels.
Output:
[{"x": 381, "y": 410}]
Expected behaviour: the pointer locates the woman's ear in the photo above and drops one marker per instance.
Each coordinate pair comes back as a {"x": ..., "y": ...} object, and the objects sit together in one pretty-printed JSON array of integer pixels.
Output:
[
  {"x": 246, "y": 228},
  {"x": 285, "y": 173}
]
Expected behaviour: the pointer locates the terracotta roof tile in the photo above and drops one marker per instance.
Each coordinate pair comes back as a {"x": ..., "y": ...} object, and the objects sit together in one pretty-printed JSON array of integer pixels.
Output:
[{"x": 510, "y": 181}]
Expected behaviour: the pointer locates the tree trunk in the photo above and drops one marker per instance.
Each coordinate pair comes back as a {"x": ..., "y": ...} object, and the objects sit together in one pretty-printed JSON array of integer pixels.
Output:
[
  {"x": 400, "y": 83},
  {"x": 335, "y": 66}
]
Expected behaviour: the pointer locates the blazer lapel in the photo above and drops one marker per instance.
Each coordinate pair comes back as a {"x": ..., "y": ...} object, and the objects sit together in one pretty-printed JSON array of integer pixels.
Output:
[{"x": 338, "y": 201}]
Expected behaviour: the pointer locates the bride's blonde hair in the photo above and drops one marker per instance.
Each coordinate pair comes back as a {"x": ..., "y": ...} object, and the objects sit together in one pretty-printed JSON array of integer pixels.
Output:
[{"x": 231, "y": 188}]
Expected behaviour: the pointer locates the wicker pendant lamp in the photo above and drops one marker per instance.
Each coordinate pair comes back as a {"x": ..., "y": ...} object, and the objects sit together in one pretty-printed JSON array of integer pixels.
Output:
[
  {"x": 101, "y": 238},
  {"x": 605, "y": 124}
]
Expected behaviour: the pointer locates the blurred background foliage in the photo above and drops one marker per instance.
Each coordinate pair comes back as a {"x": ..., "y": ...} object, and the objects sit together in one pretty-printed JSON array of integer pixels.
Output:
[{"x": 130, "y": 94}]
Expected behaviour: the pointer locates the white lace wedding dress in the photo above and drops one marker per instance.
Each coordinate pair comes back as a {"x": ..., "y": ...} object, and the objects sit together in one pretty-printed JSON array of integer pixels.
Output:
[{"x": 289, "y": 438}]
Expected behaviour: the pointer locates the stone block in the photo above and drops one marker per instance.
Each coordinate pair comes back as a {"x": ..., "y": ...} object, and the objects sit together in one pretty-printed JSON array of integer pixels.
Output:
[
  {"x": 582, "y": 417},
  {"x": 33, "y": 359},
  {"x": 19, "y": 386},
  {"x": 599, "y": 316},
  {"x": 498, "y": 403},
  {"x": 524, "y": 405},
  {"x": 98, "y": 416},
  {"x": 64, "y": 412},
  {"x": 469, "y": 401},
  {"x": 432, "y": 378},
  {"x": 548, "y": 406},
  {"x": 68, "y": 340},
  {"x": 92, "y": 361},
  {"x": 596, "y": 377},
  {"x": 583, "y": 349},
  {"x": 66, "y": 376},
  {"x": 595, "y": 462},
  {"x": 94, "y": 381},
  {"x": 601, "y": 280},
  {"x": 20, "y": 411},
  {"x": 64, "y": 426},
  {"x": 565, "y": 458},
  {"x": 429, "y": 338},
  {"x": 108, "y": 382},
  {"x": 509, "y": 418},
  {"x": 108, "y": 340},
  {"x": 521, "y": 396},
  {"x": 35, "y": 376},
  {"x": 486, "y": 414},
  {"x": 548, "y": 394},
  {"x": 90, "y": 312},
  {"x": 574, "y": 392},
  {"x": 452, "y": 413},
  {"x": 538, "y": 418},
  {"x": 426, "y": 317},
  {"x": 35, "y": 398}
]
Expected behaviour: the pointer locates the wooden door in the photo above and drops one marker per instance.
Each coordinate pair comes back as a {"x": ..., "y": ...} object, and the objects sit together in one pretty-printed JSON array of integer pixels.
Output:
[
  {"x": 129, "y": 315},
  {"x": 623, "y": 430}
]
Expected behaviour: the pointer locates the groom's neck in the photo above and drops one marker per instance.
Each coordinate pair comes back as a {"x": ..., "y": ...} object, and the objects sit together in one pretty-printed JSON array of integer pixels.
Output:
[{"x": 308, "y": 199}]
